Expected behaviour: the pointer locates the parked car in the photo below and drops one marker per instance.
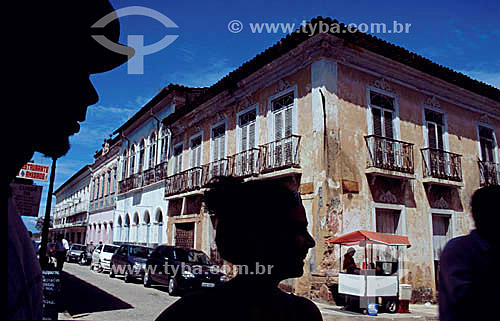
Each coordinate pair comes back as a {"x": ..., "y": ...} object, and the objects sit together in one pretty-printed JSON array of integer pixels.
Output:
[
  {"x": 129, "y": 260},
  {"x": 181, "y": 269},
  {"x": 85, "y": 257},
  {"x": 74, "y": 252},
  {"x": 101, "y": 258}
]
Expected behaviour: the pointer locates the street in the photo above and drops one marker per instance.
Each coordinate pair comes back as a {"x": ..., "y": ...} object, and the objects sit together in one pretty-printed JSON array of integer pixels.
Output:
[{"x": 88, "y": 295}]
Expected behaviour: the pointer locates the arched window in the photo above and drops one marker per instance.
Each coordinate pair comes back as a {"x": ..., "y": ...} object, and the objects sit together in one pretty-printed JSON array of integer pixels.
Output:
[
  {"x": 164, "y": 144},
  {"x": 147, "y": 225},
  {"x": 119, "y": 229},
  {"x": 159, "y": 220},
  {"x": 136, "y": 227},
  {"x": 125, "y": 165},
  {"x": 152, "y": 150},
  {"x": 141, "y": 156},
  {"x": 126, "y": 228},
  {"x": 132, "y": 160}
]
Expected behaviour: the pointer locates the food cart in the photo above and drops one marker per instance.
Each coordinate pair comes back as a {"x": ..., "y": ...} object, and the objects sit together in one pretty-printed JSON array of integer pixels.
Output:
[{"x": 375, "y": 282}]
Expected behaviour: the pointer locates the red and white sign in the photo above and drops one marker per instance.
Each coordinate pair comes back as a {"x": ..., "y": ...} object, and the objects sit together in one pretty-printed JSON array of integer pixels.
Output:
[{"x": 35, "y": 171}]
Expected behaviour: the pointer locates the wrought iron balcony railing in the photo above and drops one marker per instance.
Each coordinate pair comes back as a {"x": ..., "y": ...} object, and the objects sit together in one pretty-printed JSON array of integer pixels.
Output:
[
  {"x": 490, "y": 173},
  {"x": 145, "y": 178},
  {"x": 390, "y": 154},
  {"x": 441, "y": 164},
  {"x": 283, "y": 153},
  {"x": 185, "y": 181},
  {"x": 220, "y": 167},
  {"x": 246, "y": 163}
]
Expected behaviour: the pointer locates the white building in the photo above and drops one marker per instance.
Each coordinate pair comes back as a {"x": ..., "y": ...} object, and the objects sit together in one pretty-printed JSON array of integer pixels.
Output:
[
  {"x": 141, "y": 209},
  {"x": 72, "y": 206}
]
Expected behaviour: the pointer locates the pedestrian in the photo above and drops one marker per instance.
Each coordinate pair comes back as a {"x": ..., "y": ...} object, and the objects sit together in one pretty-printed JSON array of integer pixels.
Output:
[
  {"x": 466, "y": 273},
  {"x": 60, "y": 253},
  {"x": 49, "y": 78},
  {"x": 258, "y": 224},
  {"x": 349, "y": 265},
  {"x": 66, "y": 244}
]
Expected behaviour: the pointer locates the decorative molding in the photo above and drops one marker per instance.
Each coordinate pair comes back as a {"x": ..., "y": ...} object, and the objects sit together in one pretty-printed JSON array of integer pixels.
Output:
[
  {"x": 282, "y": 85},
  {"x": 382, "y": 84},
  {"x": 433, "y": 101},
  {"x": 441, "y": 203},
  {"x": 485, "y": 119},
  {"x": 220, "y": 116},
  {"x": 388, "y": 197}
]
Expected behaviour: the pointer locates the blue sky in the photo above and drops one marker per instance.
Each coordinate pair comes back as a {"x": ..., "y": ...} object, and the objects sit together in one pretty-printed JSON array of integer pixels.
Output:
[{"x": 462, "y": 36}]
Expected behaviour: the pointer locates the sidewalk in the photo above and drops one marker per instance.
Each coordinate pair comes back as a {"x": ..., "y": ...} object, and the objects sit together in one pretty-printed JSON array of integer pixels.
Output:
[{"x": 418, "y": 312}]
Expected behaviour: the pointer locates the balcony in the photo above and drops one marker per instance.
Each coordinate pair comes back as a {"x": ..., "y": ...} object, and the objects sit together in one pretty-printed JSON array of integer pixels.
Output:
[
  {"x": 490, "y": 173},
  {"x": 389, "y": 157},
  {"x": 441, "y": 167},
  {"x": 255, "y": 162},
  {"x": 280, "y": 154},
  {"x": 246, "y": 163},
  {"x": 145, "y": 178},
  {"x": 185, "y": 181}
]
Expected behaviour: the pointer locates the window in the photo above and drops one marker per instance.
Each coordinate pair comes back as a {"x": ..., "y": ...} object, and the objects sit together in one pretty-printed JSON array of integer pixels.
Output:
[
  {"x": 382, "y": 108},
  {"x": 132, "y": 160},
  {"x": 196, "y": 151},
  {"x": 487, "y": 143},
  {"x": 247, "y": 123},
  {"x": 435, "y": 129},
  {"x": 125, "y": 165},
  {"x": 152, "y": 150},
  {"x": 388, "y": 221},
  {"x": 142, "y": 153},
  {"x": 218, "y": 142},
  {"x": 282, "y": 109},
  {"x": 178, "y": 158}
]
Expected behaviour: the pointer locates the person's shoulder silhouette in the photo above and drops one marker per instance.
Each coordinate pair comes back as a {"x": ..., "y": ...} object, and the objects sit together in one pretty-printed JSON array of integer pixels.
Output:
[{"x": 261, "y": 229}]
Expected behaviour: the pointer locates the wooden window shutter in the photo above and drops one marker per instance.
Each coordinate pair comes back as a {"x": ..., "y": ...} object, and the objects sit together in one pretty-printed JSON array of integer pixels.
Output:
[
  {"x": 377, "y": 122},
  {"x": 388, "y": 124}
]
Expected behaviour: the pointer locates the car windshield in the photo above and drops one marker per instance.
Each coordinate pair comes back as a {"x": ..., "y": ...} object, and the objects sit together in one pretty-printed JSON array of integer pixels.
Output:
[
  {"x": 76, "y": 247},
  {"x": 109, "y": 249},
  {"x": 191, "y": 256},
  {"x": 138, "y": 251}
]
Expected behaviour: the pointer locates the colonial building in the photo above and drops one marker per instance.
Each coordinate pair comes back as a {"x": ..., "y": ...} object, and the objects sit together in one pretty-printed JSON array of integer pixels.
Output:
[
  {"x": 70, "y": 213},
  {"x": 103, "y": 186},
  {"x": 373, "y": 136},
  {"x": 141, "y": 210}
]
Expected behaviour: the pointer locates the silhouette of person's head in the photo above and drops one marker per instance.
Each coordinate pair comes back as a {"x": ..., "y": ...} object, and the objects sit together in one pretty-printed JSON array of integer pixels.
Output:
[
  {"x": 54, "y": 57},
  {"x": 260, "y": 222},
  {"x": 484, "y": 206}
]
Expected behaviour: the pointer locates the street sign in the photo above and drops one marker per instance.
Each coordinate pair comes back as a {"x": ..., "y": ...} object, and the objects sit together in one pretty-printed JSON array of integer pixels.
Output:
[
  {"x": 27, "y": 198},
  {"x": 34, "y": 171}
]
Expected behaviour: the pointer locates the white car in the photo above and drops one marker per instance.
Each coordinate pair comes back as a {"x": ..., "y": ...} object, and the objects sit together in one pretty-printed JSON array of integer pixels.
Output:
[{"x": 102, "y": 257}]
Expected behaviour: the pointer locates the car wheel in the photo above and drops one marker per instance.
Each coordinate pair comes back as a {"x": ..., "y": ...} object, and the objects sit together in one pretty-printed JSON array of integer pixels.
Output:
[
  {"x": 111, "y": 273},
  {"x": 147, "y": 280},
  {"x": 99, "y": 267},
  {"x": 391, "y": 306},
  {"x": 126, "y": 277},
  {"x": 172, "y": 286}
]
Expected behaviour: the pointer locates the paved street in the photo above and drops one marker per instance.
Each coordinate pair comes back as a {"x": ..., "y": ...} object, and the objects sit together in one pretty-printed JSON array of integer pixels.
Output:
[{"x": 88, "y": 295}]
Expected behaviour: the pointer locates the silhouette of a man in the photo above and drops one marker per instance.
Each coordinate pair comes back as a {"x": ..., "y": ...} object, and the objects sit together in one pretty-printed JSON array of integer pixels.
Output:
[
  {"x": 259, "y": 224},
  {"x": 52, "y": 56},
  {"x": 466, "y": 290}
]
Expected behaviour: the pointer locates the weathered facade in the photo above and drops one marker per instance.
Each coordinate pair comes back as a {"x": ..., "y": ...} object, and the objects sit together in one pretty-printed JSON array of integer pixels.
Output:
[{"x": 373, "y": 137}]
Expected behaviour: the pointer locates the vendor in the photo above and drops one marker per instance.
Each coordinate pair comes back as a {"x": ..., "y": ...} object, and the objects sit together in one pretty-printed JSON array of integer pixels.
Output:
[{"x": 349, "y": 265}]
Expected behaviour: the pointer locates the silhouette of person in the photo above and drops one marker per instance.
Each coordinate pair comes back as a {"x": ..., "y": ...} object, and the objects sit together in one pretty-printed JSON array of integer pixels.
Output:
[
  {"x": 50, "y": 57},
  {"x": 349, "y": 264},
  {"x": 466, "y": 269},
  {"x": 258, "y": 224}
]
